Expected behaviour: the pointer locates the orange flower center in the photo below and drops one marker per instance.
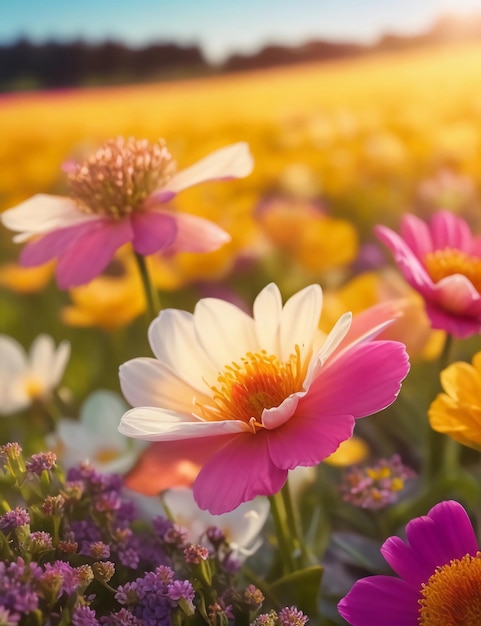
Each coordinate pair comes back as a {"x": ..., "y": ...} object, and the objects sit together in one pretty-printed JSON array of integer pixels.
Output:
[
  {"x": 442, "y": 263},
  {"x": 260, "y": 381},
  {"x": 117, "y": 179},
  {"x": 452, "y": 596}
]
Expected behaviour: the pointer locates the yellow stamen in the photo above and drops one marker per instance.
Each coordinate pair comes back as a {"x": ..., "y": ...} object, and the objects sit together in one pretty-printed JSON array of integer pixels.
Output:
[
  {"x": 117, "y": 179},
  {"x": 260, "y": 381},
  {"x": 452, "y": 596},
  {"x": 34, "y": 388},
  {"x": 449, "y": 261},
  {"x": 106, "y": 454}
]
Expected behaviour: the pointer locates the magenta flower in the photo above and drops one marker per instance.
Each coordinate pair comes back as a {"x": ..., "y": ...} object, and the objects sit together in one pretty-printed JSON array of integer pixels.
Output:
[
  {"x": 118, "y": 196},
  {"x": 442, "y": 261},
  {"x": 269, "y": 392},
  {"x": 439, "y": 569}
]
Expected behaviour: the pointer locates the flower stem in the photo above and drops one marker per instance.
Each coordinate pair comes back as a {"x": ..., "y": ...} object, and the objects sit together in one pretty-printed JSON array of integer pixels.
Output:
[
  {"x": 282, "y": 533},
  {"x": 293, "y": 525},
  {"x": 151, "y": 294}
]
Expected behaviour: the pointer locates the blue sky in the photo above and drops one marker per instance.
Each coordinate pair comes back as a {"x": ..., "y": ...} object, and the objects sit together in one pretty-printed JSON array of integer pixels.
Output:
[{"x": 219, "y": 26}]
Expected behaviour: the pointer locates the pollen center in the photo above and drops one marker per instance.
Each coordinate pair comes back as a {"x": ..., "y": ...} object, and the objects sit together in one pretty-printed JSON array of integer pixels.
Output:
[
  {"x": 117, "y": 179},
  {"x": 452, "y": 596},
  {"x": 449, "y": 261},
  {"x": 259, "y": 381}
]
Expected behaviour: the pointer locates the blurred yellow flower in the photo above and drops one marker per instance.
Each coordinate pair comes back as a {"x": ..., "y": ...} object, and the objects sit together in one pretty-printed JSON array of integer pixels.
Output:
[
  {"x": 350, "y": 452},
  {"x": 302, "y": 230},
  {"x": 25, "y": 279},
  {"x": 110, "y": 301},
  {"x": 457, "y": 411}
]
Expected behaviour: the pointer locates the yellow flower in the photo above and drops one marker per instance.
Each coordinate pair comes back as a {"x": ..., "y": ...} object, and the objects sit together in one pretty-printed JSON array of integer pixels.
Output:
[
  {"x": 351, "y": 452},
  {"x": 25, "y": 279},
  {"x": 110, "y": 301},
  {"x": 457, "y": 412}
]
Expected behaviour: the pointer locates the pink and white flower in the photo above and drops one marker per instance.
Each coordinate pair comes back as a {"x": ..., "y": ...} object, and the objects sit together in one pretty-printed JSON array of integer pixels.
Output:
[
  {"x": 442, "y": 261},
  {"x": 269, "y": 392},
  {"x": 118, "y": 195}
]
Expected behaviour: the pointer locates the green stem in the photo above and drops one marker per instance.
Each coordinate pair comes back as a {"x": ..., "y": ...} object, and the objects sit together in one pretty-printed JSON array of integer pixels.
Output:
[
  {"x": 151, "y": 294},
  {"x": 284, "y": 544},
  {"x": 294, "y": 526},
  {"x": 440, "y": 448}
]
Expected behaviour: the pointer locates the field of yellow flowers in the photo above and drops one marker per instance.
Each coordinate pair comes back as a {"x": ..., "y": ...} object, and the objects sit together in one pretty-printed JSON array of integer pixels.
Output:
[{"x": 363, "y": 139}]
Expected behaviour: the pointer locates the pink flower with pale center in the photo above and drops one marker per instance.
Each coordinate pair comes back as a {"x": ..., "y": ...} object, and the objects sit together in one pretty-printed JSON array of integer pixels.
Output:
[
  {"x": 118, "y": 196},
  {"x": 266, "y": 393},
  {"x": 442, "y": 261}
]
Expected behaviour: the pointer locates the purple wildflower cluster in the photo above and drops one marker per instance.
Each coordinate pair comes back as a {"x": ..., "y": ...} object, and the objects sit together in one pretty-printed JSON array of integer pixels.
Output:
[
  {"x": 376, "y": 486},
  {"x": 71, "y": 549}
]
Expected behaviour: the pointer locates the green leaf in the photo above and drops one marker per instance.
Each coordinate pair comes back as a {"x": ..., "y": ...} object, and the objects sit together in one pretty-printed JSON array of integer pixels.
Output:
[{"x": 301, "y": 589}]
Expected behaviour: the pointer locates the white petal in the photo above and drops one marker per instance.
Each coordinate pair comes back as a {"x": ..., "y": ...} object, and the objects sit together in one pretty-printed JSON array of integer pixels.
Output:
[
  {"x": 61, "y": 358},
  {"x": 13, "y": 360},
  {"x": 334, "y": 338},
  {"x": 13, "y": 369},
  {"x": 174, "y": 342},
  {"x": 233, "y": 161},
  {"x": 224, "y": 331},
  {"x": 267, "y": 316},
  {"x": 244, "y": 524},
  {"x": 100, "y": 415},
  {"x": 275, "y": 417},
  {"x": 43, "y": 213},
  {"x": 147, "y": 382},
  {"x": 159, "y": 425},
  {"x": 300, "y": 320}
]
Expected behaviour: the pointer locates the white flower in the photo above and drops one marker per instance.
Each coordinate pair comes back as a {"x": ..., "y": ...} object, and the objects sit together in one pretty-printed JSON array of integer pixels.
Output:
[
  {"x": 25, "y": 378},
  {"x": 241, "y": 527},
  {"x": 94, "y": 437}
]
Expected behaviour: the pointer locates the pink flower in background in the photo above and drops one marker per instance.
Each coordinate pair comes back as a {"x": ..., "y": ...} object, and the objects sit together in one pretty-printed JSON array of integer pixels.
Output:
[
  {"x": 269, "y": 392},
  {"x": 117, "y": 196},
  {"x": 439, "y": 569},
  {"x": 442, "y": 261}
]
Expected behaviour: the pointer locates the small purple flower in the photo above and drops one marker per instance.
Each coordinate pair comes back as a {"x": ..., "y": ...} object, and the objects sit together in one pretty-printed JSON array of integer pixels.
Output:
[
  {"x": 84, "y": 616},
  {"x": 290, "y": 616},
  {"x": 121, "y": 618},
  {"x": 376, "y": 486},
  {"x": 195, "y": 554},
  {"x": 41, "y": 461},
  {"x": 14, "y": 519}
]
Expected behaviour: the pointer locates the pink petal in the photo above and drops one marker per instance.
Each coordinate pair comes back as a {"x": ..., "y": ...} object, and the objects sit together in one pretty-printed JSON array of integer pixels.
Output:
[
  {"x": 456, "y": 325},
  {"x": 51, "y": 245},
  {"x": 450, "y": 231},
  {"x": 380, "y": 601},
  {"x": 409, "y": 263},
  {"x": 362, "y": 381},
  {"x": 90, "y": 253},
  {"x": 417, "y": 235},
  {"x": 153, "y": 231},
  {"x": 233, "y": 161},
  {"x": 308, "y": 438},
  {"x": 196, "y": 234},
  {"x": 238, "y": 472}
]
